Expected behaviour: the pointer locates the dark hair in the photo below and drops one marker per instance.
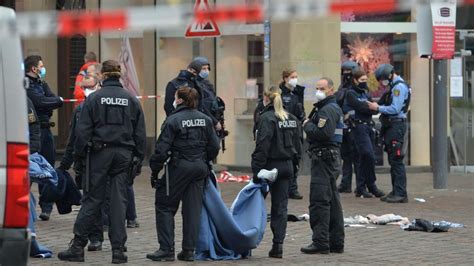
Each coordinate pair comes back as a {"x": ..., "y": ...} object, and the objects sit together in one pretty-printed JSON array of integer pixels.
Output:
[
  {"x": 111, "y": 69},
  {"x": 31, "y": 61},
  {"x": 329, "y": 81},
  {"x": 90, "y": 56},
  {"x": 286, "y": 73},
  {"x": 190, "y": 96},
  {"x": 357, "y": 74}
]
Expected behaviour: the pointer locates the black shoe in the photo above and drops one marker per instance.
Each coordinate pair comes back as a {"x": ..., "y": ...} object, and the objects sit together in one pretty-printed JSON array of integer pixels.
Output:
[
  {"x": 396, "y": 199},
  {"x": 276, "y": 251},
  {"x": 312, "y": 249},
  {"x": 295, "y": 195},
  {"x": 336, "y": 249},
  {"x": 105, "y": 228},
  {"x": 95, "y": 246},
  {"x": 186, "y": 255},
  {"x": 364, "y": 194},
  {"x": 118, "y": 257},
  {"x": 384, "y": 198},
  {"x": 377, "y": 193},
  {"x": 161, "y": 255},
  {"x": 342, "y": 189},
  {"x": 44, "y": 216},
  {"x": 132, "y": 224},
  {"x": 75, "y": 252}
]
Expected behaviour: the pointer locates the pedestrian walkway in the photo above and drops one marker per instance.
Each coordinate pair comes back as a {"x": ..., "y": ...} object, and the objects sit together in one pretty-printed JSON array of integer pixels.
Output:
[{"x": 384, "y": 244}]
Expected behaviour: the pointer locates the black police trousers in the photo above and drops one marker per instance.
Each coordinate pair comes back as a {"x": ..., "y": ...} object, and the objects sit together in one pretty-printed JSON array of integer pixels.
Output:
[
  {"x": 325, "y": 210},
  {"x": 293, "y": 180},
  {"x": 48, "y": 151},
  {"x": 279, "y": 193},
  {"x": 349, "y": 159},
  {"x": 394, "y": 135},
  {"x": 110, "y": 163},
  {"x": 186, "y": 184},
  {"x": 364, "y": 136}
]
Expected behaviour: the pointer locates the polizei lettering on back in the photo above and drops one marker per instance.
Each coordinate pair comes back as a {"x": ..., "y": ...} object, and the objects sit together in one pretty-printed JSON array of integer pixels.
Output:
[
  {"x": 114, "y": 101},
  {"x": 287, "y": 124},
  {"x": 193, "y": 123}
]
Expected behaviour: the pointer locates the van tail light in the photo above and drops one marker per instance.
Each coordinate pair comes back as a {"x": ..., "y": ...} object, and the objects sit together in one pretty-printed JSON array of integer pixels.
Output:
[{"x": 18, "y": 186}]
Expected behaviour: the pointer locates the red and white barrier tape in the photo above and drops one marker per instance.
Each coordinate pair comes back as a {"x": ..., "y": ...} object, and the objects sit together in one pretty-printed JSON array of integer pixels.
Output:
[
  {"x": 138, "y": 97},
  {"x": 67, "y": 23},
  {"x": 226, "y": 176}
]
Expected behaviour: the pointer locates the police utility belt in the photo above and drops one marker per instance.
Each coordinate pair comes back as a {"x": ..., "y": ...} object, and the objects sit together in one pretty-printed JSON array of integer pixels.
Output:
[
  {"x": 325, "y": 153},
  {"x": 96, "y": 146},
  {"x": 387, "y": 120},
  {"x": 47, "y": 124},
  {"x": 362, "y": 122}
]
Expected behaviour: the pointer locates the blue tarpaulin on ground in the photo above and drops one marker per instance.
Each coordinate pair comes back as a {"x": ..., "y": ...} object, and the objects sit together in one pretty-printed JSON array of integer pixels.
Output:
[{"x": 231, "y": 234}]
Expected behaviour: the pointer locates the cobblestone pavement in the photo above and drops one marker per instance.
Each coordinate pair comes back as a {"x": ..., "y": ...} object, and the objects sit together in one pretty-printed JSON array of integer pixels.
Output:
[{"x": 380, "y": 245}]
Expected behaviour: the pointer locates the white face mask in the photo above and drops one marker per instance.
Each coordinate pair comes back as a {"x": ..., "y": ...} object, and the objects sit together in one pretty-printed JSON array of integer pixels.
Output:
[
  {"x": 175, "y": 104},
  {"x": 385, "y": 82},
  {"x": 88, "y": 92},
  {"x": 320, "y": 95},
  {"x": 293, "y": 82}
]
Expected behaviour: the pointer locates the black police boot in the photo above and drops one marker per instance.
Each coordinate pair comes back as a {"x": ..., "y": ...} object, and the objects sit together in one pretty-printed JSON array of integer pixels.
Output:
[
  {"x": 384, "y": 198},
  {"x": 276, "y": 251},
  {"x": 186, "y": 255},
  {"x": 313, "y": 249},
  {"x": 161, "y": 255},
  {"x": 118, "y": 257},
  {"x": 95, "y": 246},
  {"x": 336, "y": 249},
  {"x": 342, "y": 189},
  {"x": 75, "y": 252},
  {"x": 377, "y": 192},
  {"x": 132, "y": 224},
  {"x": 364, "y": 194},
  {"x": 295, "y": 195},
  {"x": 44, "y": 216},
  {"x": 396, "y": 199}
]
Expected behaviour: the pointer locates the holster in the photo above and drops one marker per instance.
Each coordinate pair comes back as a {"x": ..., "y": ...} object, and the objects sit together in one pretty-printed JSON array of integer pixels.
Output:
[{"x": 324, "y": 153}]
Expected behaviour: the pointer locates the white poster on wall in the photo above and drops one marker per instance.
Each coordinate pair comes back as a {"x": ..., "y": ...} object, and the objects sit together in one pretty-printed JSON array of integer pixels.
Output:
[{"x": 456, "y": 87}]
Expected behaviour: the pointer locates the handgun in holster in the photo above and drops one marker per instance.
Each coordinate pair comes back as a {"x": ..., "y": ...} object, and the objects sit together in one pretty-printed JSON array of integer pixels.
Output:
[{"x": 134, "y": 169}]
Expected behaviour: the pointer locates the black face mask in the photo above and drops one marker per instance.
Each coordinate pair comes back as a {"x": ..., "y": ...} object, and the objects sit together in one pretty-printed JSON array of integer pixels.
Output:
[
  {"x": 363, "y": 86},
  {"x": 346, "y": 77}
]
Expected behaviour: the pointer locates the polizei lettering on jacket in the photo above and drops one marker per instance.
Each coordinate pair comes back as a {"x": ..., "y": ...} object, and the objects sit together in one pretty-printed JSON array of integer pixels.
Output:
[
  {"x": 114, "y": 101},
  {"x": 193, "y": 123},
  {"x": 287, "y": 124}
]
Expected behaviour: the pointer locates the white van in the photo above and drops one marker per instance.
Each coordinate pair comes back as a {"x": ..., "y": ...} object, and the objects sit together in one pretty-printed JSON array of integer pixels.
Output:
[{"x": 14, "y": 151}]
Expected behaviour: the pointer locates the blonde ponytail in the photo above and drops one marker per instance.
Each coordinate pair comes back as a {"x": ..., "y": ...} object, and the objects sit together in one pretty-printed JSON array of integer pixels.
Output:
[{"x": 274, "y": 94}]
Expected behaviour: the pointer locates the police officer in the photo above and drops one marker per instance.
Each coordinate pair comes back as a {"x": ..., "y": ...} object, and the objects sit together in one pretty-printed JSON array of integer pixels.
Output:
[
  {"x": 186, "y": 144},
  {"x": 394, "y": 106},
  {"x": 89, "y": 85},
  {"x": 110, "y": 132},
  {"x": 324, "y": 133},
  {"x": 348, "y": 151},
  {"x": 363, "y": 131},
  {"x": 44, "y": 102},
  {"x": 292, "y": 96},
  {"x": 278, "y": 145},
  {"x": 210, "y": 103}
]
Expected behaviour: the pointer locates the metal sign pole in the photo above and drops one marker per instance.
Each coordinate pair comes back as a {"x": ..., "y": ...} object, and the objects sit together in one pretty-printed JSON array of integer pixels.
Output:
[{"x": 440, "y": 124}]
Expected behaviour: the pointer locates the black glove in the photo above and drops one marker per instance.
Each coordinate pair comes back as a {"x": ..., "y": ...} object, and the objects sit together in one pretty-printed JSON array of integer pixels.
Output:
[
  {"x": 256, "y": 180},
  {"x": 63, "y": 167},
  {"x": 153, "y": 179}
]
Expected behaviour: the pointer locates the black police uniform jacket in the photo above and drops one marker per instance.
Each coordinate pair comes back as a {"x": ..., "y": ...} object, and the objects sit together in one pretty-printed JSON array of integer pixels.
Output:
[
  {"x": 275, "y": 139},
  {"x": 111, "y": 116},
  {"x": 33, "y": 128},
  {"x": 356, "y": 99},
  {"x": 189, "y": 134},
  {"x": 68, "y": 157},
  {"x": 185, "y": 79},
  {"x": 324, "y": 120},
  {"x": 44, "y": 100}
]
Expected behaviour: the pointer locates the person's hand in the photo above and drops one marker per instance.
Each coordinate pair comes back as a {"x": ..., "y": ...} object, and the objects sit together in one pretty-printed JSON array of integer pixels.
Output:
[
  {"x": 373, "y": 106},
  {"x": 305, "y": 121},
  {"x": 153, "y": 179},
  {"x": 218, "y": 127}
]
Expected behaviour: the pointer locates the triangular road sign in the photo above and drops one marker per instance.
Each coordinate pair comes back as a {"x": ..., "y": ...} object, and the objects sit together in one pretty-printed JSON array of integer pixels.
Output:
[{"x": 207, "y": 28}]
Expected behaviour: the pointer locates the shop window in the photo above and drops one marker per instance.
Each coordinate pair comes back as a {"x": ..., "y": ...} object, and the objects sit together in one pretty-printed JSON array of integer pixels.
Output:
[{"x": 255, "y": 61}]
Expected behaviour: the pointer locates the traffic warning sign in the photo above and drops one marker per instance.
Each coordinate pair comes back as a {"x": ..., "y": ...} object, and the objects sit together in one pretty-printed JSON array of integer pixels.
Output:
[{"x": 202, "y": 28}]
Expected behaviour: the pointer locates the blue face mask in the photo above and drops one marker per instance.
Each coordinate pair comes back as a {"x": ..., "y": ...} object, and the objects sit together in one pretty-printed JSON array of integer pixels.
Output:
[
  {"x": 204, "y": 74},
  {"x": 42, "y": 73}
]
